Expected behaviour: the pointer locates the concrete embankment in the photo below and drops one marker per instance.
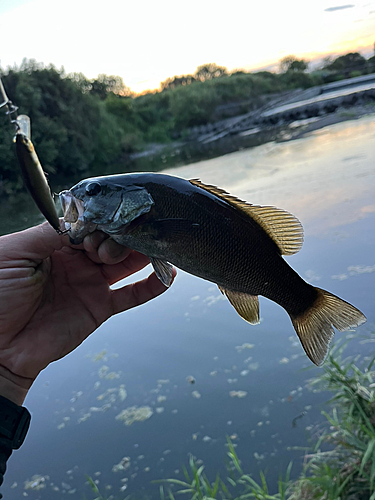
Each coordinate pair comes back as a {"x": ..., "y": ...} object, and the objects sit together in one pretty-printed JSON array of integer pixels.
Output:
[{"x": 300, "y": 105}]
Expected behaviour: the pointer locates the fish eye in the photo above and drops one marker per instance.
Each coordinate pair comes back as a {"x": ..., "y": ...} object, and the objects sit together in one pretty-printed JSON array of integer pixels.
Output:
[{"x": 93, "y": 188}]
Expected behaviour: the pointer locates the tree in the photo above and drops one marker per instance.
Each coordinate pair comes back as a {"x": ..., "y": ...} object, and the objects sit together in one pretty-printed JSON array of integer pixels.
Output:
[
  {"x": 348, "y": 62},
  {"x": 326, "y": 62},
  {"x": 172, "y": 83},
  {"x": 81, "y": 81},
  {"x": 192, "y": 105},
  {"x": 291, "y": 63},
  {"x": 73, "y": 132},
  {"x": 209, "y": 71},
  {"x": 104, "y": 84}
]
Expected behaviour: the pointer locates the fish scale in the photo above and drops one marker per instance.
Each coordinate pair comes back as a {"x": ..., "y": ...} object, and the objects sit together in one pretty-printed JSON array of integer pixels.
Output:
[{"x": 229, "y": 251}]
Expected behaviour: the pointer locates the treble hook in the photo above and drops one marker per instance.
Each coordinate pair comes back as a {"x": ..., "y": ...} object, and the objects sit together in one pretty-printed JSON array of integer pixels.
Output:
[
  {"x": 3, "y": 93},
  {"x": 11, "y": 108}
]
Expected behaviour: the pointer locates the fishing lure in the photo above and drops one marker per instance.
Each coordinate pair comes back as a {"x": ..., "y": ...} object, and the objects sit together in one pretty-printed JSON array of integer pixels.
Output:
[{"x": 32, "y": 171}]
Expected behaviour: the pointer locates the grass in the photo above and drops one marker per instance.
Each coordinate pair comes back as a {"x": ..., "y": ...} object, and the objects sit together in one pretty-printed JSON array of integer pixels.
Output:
[
  {"x": 340, "y": 466},
  {"x": 95, "y": 489},
  {"x": 347, "y": 471},
  {"x": 237, "y": 485}
]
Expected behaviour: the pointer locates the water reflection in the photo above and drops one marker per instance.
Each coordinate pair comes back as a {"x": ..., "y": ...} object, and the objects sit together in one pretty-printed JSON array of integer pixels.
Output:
[
  {"x": 248, "y": 381},
  {"x": 326, "y": 179}
]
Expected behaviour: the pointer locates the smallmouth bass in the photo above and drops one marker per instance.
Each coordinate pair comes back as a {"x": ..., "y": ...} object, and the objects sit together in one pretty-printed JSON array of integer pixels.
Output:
[{"x": 209, "y": 233}]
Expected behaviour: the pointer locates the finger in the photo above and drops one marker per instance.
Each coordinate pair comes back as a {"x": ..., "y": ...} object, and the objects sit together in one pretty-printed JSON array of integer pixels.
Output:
[
  {"x": 137, "y": 293},
  {"x": 91, "y": 243},
  {"x": 111, "y": 252},
  {"x": 36, "y": 243},
  {"x": 103, "y": 250},
  {"x": 132, "y": 264},
  {"x": 93, "y": 240}
]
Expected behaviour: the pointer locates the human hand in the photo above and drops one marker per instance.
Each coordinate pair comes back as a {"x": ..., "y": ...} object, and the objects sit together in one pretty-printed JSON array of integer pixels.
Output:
[{"x": 53, "y": 295}]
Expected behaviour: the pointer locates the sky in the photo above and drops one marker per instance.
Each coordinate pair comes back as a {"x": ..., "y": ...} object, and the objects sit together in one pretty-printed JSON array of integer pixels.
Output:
[{"x": 147, "y": 41}]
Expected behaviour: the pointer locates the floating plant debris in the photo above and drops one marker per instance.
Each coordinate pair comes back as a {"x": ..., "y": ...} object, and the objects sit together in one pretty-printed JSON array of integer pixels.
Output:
[
  {"x": 246, "y": 345},
  {"x": 134, "y": 414},
  {"x": 37, "y": 482},
  {"x": 122, "y": 465},
  {"x": 237, "y": 394}
]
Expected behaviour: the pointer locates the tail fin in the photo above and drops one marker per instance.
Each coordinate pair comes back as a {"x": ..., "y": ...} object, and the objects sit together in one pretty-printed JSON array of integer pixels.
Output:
[{"x": 314, "y": 326}]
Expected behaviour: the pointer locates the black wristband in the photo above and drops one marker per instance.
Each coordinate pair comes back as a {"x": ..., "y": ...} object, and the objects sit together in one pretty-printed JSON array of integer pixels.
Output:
[{"x": 14, "y": 422}]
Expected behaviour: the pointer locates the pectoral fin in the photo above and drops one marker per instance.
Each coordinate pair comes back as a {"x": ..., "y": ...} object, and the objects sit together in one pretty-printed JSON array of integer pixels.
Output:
[
  {"x": 247, "y": 306},
  {"x": 163, "y": 270}
]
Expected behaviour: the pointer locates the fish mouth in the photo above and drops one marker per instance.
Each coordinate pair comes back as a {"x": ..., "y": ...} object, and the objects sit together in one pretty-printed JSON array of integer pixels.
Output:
[
  {"x": 73, "y": 213},
  {"x": 73, "y": 208}
]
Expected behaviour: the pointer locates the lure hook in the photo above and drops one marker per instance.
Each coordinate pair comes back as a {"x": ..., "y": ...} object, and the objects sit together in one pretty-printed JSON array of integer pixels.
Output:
[{"x": 11, "y": 108}]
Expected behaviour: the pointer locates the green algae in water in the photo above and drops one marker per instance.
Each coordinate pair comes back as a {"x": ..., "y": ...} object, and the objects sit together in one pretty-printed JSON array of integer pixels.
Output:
[{"x": 134, "y": 413}]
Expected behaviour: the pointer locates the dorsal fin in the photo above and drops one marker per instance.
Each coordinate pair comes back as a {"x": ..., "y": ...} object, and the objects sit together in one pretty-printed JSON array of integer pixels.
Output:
[{"x": 284, "y": 229}]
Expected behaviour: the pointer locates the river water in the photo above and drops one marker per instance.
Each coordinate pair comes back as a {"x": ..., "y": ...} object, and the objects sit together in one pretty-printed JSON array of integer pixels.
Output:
[{"x": 143, "y": 357}]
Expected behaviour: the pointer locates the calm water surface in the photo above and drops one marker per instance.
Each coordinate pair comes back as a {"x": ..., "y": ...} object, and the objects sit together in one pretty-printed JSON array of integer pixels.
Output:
[{"x": 327, "y": 180}]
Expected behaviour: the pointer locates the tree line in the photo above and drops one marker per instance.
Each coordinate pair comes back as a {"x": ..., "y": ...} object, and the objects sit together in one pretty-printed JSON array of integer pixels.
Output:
[{"x": 83, "y": 127}]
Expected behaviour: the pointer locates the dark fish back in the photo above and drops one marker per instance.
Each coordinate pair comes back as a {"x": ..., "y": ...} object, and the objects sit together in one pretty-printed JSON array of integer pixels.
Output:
[{"x": 208, "y": 237}]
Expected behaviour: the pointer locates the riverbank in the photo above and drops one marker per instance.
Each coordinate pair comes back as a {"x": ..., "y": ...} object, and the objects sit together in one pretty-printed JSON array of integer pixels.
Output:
[
  {"x": 301, "y": 128},
  {"x": 178, "y": 154},
  {"x": 284, "y": 116},
  {"x": 119, "y": 133}
]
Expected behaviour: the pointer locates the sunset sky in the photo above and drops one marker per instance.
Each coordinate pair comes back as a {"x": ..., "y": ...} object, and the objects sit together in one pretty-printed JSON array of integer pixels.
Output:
[{"x": 146, "y": 41}]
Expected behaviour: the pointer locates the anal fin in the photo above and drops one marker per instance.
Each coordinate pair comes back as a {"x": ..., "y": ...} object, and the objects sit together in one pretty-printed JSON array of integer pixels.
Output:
[
  {"x": 163, "y": 270},
  {"x": 247, "y": 306}
]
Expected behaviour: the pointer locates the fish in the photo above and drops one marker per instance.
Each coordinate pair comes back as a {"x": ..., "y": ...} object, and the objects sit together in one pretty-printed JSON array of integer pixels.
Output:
[
  {"x": 212, "y": 234},
  {"x": 35, "y": 179}
]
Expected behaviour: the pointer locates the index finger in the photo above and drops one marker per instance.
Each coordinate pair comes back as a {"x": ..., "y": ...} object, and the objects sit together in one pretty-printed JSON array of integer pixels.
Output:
[
  {"x": 104, "y": 250},
  {"x": 133, "y": 263},
  {"x": 35, "y": 243},
  {"x": 138, "y": 293}
]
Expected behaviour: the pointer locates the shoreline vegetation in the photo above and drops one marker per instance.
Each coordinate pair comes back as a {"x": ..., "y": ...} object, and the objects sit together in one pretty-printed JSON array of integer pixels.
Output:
[
  {"x": 83, "y": 128},
  {"x": 340, "y": 465}
]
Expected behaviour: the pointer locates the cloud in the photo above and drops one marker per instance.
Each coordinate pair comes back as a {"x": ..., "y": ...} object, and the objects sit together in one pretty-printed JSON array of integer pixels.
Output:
[{"x": 339, "y": 7}]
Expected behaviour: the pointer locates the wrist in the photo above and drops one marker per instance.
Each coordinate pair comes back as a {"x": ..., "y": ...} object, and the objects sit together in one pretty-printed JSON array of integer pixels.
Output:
[
  {"x": 12, "y": 389},
  {"x": 14, "y": 424}
]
